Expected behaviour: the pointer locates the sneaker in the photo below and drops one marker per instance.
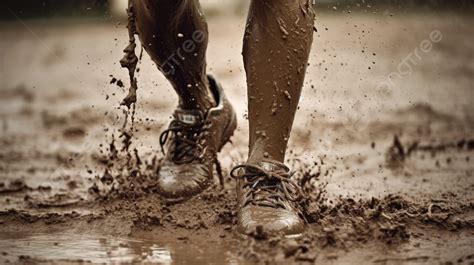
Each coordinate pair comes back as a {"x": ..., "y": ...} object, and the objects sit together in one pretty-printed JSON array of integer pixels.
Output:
[
  {"x": 190, "y": 145},
  {"x": 268, "y": 200}
]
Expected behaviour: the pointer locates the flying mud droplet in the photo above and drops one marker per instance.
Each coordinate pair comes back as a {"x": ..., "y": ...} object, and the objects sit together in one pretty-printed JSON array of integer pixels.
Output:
[
  {"x": 274, "y": 105},
  {"x": 396, "y": 154},
  {"x": 282, "y": 27},
  {"x": 287, "y": 95}
]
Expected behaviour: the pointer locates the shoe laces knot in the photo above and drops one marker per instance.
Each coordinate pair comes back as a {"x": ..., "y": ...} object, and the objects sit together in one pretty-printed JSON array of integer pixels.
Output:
[
  {"x": 267, "y": 188},
  {"x": 188, "y": 141}
]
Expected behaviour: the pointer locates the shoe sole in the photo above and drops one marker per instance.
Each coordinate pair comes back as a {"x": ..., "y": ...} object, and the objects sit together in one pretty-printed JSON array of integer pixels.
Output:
[{"x": 227, "y": 135}]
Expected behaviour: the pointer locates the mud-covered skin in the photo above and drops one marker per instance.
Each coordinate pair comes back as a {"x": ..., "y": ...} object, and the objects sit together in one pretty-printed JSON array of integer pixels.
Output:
[
  {"x": 277, "y": 43},
  {"x": 276, "y": 47},
  {"x": 179, "y": 180},
  {"x": 178, "y": 46}
]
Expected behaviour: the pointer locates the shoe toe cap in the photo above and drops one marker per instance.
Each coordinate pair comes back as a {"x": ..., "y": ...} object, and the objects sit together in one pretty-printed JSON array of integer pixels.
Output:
[
  {"x": 175, "y": 181},
  {"x": 272, "y": 220}
]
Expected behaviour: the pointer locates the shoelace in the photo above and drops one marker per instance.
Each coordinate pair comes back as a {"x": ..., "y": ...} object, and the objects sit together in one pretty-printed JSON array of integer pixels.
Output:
[
  {"x": 188, "y": 141},
  {"x": 266, "y": 188}
]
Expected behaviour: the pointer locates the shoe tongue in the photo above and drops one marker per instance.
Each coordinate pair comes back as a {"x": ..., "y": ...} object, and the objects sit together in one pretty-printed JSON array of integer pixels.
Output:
[
  {"x": 190, "y": 117},
  {"x": 272, "y": 166}
]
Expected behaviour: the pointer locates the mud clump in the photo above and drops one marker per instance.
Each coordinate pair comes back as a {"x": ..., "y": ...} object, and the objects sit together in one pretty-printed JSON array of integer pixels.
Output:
[
  {"x": 348, "y": 223},
  {"x": 21, "y": 217},
  {"x": 398, "y": 153},
  {"x": 57, "y": 200},
  {"x": 125, "y": 174},
  {"x": 128, "y": 189},
  {"x": 13, "y": 187},
  {"x": 130, "y": 59},
  {"x": 116, "y": 81}
]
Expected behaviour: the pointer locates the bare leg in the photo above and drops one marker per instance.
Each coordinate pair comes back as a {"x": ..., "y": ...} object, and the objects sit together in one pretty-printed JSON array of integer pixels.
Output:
[
  {"x": 277, "y": 43},
  {"x": 174, "y": 33}
]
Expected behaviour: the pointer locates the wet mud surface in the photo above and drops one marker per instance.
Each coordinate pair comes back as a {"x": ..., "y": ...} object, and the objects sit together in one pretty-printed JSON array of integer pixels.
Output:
[{"x": 388, "y": 169}]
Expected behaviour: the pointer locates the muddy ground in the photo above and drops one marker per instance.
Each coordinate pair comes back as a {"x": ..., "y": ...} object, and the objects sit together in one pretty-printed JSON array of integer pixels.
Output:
[{"x": 387, "y": 148}]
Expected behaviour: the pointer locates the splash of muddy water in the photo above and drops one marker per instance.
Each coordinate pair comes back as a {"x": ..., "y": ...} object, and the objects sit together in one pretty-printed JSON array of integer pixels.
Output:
[
  {"x": 123, "y": 163},
  {"x": 130, "y": 59}
]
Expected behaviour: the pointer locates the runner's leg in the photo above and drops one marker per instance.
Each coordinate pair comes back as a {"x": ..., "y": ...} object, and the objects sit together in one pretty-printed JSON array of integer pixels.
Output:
[
  {"x": 277, "y": 43},
  {"x": 174, "y": 33}
]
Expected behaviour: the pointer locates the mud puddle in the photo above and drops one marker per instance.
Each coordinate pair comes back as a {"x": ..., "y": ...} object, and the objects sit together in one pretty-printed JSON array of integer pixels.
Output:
[
  {"x": 67, "y": 247},
  {"x": 71, "y": 248}
]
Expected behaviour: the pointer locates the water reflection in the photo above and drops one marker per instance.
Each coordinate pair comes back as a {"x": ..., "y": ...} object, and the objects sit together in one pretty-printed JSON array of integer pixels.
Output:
[{"x": 79, "y": 248}]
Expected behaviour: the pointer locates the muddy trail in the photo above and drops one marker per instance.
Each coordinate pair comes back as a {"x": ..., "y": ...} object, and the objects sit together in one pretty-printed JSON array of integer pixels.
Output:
[{"x": 387, "y": 169}]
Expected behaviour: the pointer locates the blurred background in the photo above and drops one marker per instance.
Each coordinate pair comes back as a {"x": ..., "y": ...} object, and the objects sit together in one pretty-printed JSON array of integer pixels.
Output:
[
  {"x": 377, "y": 69},
  {"x": 85, "y": 8}
]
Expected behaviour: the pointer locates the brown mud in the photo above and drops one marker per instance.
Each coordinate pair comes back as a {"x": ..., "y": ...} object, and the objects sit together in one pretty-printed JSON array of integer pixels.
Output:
[
  {"x": 130, "y": 59},
  {"x": 388, "y": 173}
]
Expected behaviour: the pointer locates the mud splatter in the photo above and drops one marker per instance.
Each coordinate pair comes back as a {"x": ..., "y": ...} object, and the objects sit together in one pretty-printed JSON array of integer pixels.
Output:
[
  {"x": 421, "y": 223},
  {"x": 13, "y": 186},
  {"x": 130, "y": 59},
  {"x": 398, "y": 152},
  {"x": 391, "y": 220}
]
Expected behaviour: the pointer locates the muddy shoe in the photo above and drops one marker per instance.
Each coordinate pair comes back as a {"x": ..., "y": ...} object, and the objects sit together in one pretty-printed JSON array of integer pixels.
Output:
[
  {"x": 190, "y": 145},
  {"x": 267, "y": 200}
]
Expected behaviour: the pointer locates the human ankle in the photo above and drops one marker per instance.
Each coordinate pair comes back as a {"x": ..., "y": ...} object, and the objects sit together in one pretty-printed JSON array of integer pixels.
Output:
[
  {"x": 200, "y": 98},
  {"x": 257, "y": 157}
]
